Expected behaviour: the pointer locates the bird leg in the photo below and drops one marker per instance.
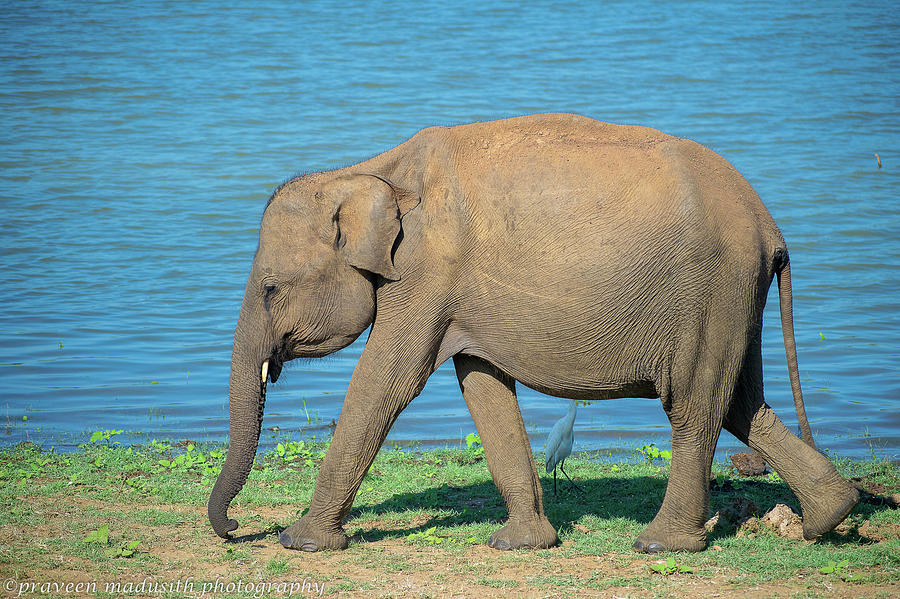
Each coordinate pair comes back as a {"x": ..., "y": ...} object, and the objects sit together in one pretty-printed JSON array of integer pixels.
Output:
[{"x": 574, "y": 484}]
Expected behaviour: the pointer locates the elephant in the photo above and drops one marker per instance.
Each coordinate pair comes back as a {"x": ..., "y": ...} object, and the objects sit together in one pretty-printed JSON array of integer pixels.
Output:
[{"x": 583, "y": 259}]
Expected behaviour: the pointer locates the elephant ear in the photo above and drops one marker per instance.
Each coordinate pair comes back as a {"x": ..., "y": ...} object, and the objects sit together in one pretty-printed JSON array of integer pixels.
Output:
[{"x": 367, "y": 215}]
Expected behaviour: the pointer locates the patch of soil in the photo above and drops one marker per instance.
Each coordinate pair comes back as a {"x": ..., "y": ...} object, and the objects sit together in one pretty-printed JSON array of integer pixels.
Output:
[
  {"x": 878, "y": 533},
  {"x": 874, "y": 493},
  {"x": 749, "y": 464},
  {"x": 389, "y": 566}
]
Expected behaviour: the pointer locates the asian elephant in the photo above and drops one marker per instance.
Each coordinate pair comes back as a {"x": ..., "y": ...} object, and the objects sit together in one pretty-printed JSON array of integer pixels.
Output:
[{"x": 582, "y": 259}]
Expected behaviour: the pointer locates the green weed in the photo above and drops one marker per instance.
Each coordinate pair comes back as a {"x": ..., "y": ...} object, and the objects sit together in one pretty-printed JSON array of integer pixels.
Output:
[
  {"x": 474, "y": 447},
  {"x": 104, "y": 436},
  {"x": 191, "y": 461},
  {"x": 298, "y": 451},
  {"x": 306, "y": 411},
  {"x": 126, "y": 550},
  {"x": 652, "y": 452},
  {"x": 99, "y": 536},
  {"x": 840, "y": 569},
  {"x": 427, "y": 537},
  {"x": 671, "y": 567}
]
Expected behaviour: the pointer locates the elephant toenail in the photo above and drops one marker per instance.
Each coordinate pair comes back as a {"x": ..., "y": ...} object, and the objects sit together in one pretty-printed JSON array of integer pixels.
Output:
[
  {"x": 285, "y": 539},
  {"x": 655, "y": 548},
  {"x": 639, "y": 547},
  {"x": 310, "y": 547},
  {"x": 502, "y": 545}
]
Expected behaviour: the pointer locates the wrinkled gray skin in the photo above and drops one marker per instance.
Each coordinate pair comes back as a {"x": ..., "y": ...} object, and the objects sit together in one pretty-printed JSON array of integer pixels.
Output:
[{"x": 583, "y": 259}]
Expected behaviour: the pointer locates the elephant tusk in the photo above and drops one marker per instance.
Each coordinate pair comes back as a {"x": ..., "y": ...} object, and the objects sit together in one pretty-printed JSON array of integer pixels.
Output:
[{"x": 265, "y": 371}]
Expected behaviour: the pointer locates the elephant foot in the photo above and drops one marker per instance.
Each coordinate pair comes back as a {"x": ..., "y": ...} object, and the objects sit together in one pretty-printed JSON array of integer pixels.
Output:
[
  {"x": 827, "y": 510},
  {"x": 656, "y": 539},
  {"x": 304, "y": 536},
  {"x": 536, "y": 534}
]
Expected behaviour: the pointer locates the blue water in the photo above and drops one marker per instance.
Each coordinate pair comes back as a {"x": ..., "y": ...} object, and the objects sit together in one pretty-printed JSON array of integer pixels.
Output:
[{"x": 140, "y": 141}]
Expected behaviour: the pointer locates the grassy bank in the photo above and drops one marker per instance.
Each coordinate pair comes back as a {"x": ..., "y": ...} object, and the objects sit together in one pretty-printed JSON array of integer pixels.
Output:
[{"x": 107, "y": 519}]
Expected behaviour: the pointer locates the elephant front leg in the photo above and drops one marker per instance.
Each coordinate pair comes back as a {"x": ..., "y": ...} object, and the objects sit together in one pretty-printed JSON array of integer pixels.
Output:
[
  {"x": 491, "y": 398},
  {"x": 379, "y": 390}
]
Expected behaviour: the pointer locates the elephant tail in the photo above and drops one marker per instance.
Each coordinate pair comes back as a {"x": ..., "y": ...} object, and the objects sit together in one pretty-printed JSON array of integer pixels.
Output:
[{"x": 783, "y": 270}]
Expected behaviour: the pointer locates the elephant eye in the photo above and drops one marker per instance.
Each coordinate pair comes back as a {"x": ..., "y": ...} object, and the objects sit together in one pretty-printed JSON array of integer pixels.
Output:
[{"x": 269, "y": 291}]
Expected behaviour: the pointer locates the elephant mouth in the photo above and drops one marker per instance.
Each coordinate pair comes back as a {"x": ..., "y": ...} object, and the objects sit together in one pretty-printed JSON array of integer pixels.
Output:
[
  {"x": 291, "y": 349},
  {"x": 272, "y": 366},
  {"x": 271, "y": 370}
]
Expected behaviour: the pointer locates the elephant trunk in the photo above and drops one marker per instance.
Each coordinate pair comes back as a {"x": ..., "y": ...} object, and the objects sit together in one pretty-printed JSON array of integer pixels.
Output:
[{"x": 246, "y": 399}]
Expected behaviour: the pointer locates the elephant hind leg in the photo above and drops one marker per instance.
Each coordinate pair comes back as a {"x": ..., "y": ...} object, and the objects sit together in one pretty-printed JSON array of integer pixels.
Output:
[
  {"x": 825, "y": 497},
  {"x": 695, "y": 405}
]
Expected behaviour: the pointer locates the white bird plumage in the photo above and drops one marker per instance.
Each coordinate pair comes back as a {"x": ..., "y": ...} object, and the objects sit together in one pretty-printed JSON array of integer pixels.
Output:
[{"x": 559, "y": 444}]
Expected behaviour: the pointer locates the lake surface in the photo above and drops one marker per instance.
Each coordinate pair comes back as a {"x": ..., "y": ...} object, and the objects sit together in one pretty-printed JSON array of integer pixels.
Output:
[{"x": 141, "y": 141}]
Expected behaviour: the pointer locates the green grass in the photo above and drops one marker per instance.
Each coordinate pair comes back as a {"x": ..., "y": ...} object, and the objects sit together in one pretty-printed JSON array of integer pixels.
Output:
[{"x": 422, "y": 516}]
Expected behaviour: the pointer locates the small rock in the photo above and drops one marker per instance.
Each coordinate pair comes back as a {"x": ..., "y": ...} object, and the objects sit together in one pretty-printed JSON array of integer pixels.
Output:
[
  {"x": 784, "y": 521},
  {"x": 749, "y": 464},
  {"x": 736, "y": 514},
  {"x": 748, "y": 528},
  {"x": 741, "y": 509}
]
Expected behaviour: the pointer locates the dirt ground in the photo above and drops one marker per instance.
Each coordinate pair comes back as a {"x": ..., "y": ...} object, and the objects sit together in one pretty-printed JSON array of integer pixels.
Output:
[{"x": 188, "y": 554}]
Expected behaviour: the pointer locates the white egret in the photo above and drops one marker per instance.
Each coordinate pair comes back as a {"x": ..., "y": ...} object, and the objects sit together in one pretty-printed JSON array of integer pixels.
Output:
[{"x": 559, "y": 444}]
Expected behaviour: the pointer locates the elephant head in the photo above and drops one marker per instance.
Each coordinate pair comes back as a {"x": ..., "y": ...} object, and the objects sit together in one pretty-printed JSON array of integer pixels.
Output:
[{"x": 325, "y": 242}]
